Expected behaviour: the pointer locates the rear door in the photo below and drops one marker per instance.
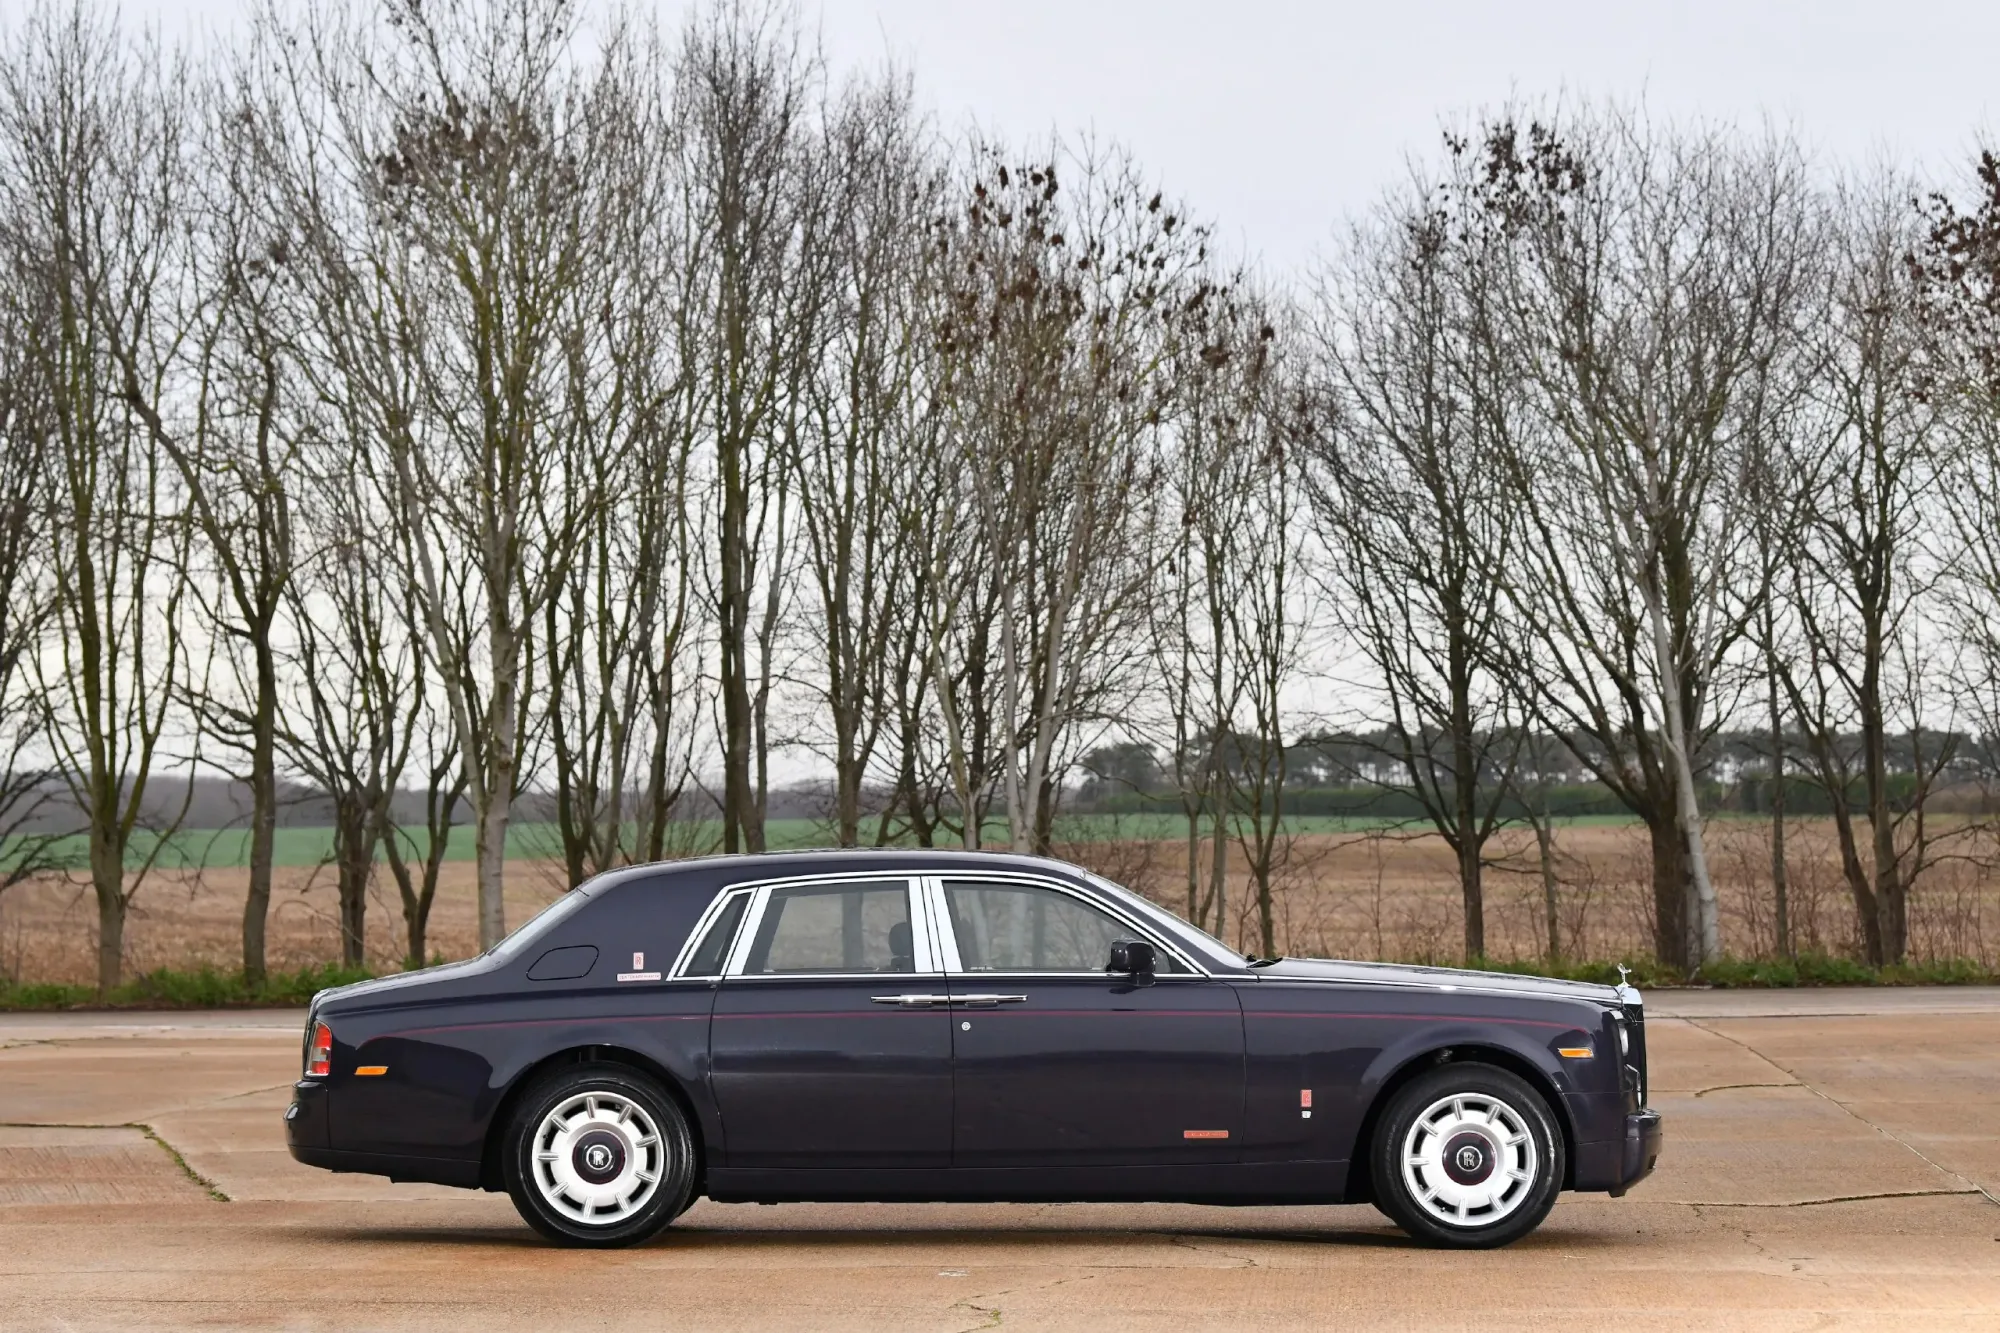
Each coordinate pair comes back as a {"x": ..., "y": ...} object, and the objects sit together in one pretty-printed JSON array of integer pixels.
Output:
[
  {"x": 831, "y": 1043},
  {"x": 1060, "y": 1064}
]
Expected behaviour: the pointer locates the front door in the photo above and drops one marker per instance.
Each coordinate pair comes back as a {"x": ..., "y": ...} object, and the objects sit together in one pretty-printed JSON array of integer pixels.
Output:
[
  {"x": 823, "y": 1049},
  {"x": 1058, "y": 1063}
]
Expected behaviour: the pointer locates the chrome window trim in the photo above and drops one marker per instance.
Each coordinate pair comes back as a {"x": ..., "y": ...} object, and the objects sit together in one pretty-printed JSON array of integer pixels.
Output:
[
  {"x": 1142, "y": 930},
  {"x": 944, "y": 938},
  {"x": 925, "y": 957},
  {"x": 700, "y": 932}
]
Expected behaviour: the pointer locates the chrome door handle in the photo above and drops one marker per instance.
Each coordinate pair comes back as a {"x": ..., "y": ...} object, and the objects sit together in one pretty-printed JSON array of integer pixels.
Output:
[
  {"x": 987, "y": 1001},
  {"x": 911, "y": 1001}
]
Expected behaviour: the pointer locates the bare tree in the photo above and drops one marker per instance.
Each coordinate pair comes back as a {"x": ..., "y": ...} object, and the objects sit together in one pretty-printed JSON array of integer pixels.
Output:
[
  {"x": 1061, "y": 326},
  {"x": 866, "y": 421},
  {"x": 1410, "y": 499},
  {"x": 450, "y": 181},
  {"x": 235, "y": 458},
  {"x": 1864, "y": 564},
  {"x": 1653, "y": 288},
  {"x": 26, "y": 593},
  {"x": 1196, "y": 676},
  {"x": 1955, "y": 266},
  {"x": 93, "y": 169},
  {"x": 616, "y": 635},
  {"x": 1270, "y": 611},
  {"x": 744, "y": 96}
]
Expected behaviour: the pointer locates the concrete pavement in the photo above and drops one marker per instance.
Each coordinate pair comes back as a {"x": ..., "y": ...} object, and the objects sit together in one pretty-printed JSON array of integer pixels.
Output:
[{"x": 1832, "y": 1161}]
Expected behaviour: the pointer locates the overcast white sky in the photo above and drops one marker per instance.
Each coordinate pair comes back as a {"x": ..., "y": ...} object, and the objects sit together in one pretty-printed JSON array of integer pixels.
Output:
[{"x": 1277, "y": 119}]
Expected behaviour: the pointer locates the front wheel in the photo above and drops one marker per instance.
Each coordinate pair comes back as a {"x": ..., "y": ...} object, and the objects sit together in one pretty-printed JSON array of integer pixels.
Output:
[
  {"x": 1467, "y": 1156},
  {"x": 599, "y": 1155}
]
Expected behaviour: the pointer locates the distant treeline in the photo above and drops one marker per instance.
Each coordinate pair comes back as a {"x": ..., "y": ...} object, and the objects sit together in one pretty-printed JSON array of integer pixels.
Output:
[{"x": 1569, "y": 801}]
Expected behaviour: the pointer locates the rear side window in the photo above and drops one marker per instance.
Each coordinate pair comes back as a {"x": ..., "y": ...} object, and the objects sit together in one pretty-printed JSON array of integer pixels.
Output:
[
  {"x": 845, "y": 927},
  {"x": 709, "y": 956}
]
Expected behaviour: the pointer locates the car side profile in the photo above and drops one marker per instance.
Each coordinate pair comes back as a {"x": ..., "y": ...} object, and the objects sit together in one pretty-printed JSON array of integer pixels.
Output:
[{"x": 959, "y": 1026}]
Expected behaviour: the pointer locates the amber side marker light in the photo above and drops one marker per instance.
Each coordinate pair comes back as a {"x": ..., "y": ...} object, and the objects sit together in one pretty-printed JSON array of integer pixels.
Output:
[
  {"x": 368, "y": 1070},
  {"x": 1204, "y": 1133},
  {"x": 1574, "y": 1052},
  {"x": 319, "y": 1059}
]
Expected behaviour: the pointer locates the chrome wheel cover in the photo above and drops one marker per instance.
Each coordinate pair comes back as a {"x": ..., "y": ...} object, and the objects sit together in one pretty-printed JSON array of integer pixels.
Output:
[
  {"x": 1469, "y": 1160},
  {"x": 598, "y": 1158}
]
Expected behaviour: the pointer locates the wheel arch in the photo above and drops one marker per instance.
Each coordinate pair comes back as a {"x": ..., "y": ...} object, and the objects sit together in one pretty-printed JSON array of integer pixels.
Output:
[
  {"x": 490, "y": 1176},
  {"x": 1403, "y": 1067}
]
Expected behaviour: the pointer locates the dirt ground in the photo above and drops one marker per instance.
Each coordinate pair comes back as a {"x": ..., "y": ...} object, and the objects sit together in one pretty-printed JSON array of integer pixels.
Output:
[
  {"x": 1832, "y": 1161},
  {"x": 1386, "y": 894}
]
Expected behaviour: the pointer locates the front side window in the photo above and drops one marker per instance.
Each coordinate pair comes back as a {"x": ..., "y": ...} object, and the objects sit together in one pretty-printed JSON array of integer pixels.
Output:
[
  {"x": 846, "y": 927},
  {"x": 1022, "y": 928}
]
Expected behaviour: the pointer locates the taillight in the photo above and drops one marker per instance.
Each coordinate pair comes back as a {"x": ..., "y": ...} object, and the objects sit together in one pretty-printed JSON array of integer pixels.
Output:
[{"x": 319, "y": 1055}]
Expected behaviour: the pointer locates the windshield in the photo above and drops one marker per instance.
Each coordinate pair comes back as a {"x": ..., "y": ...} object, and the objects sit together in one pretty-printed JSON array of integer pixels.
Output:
[
  {"x": 538, "y": 924},
  {"x": 1180, "y": 928}
]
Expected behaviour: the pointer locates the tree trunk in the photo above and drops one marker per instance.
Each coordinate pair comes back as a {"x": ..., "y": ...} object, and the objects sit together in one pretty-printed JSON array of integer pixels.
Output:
[
  {"x": 847, "y": 802},
  {"x": 1545, "y": 851},
  {"x": 1670, "y": 897},
  {"x": 354, "y": 856},
  {"x": 1470, "y": 888},
  {"x": 492, "y": 853},
  {"x": 1465, "y": 839},
  {"x": 1886, "y": 942},
  {"x": 734, "y": 634},
  {"x": 1218, "y": 872},
  {"x": 1698, "y": 917},
  {"x": 107, "y": 877},
  {"x": 1194, "y": 913},
  {"x": 263, "y": 811},
  {"x": 1781, "y": 889}
]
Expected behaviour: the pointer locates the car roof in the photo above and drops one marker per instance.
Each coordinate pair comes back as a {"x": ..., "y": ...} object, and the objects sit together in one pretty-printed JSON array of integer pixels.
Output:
[{"x": 727, "y": 867}]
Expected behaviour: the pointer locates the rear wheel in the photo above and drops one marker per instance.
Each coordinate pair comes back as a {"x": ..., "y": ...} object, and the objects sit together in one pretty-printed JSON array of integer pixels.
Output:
[
  {"x": 1467, "y": 1156},
  {"x": 599, "y": 1155}
]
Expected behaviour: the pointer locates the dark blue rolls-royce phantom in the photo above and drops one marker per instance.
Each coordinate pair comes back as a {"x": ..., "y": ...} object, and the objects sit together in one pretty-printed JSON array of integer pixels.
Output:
[{"x": 961, "y": 1026}]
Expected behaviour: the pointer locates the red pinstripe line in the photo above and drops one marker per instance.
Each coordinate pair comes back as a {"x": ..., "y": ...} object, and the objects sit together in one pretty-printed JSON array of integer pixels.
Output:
[
  {"x": 1010, "y": 1012},
  {"x": 541, "y": 1022},
  {"x": 1416, "y": 1018}
]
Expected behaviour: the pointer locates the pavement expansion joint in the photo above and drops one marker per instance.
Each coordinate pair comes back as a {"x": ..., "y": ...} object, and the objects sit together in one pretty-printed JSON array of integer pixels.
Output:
[
  {"x": 1971, "y": 1186},
  {"x": 1737, "y": 1087},
  {"x": 214, "y": 1191},
  {"x": 1840, "y": 1198}
]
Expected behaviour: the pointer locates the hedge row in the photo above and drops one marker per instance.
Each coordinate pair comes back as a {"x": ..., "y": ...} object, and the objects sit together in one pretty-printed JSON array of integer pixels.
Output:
[{"x": 167, "y": 988}]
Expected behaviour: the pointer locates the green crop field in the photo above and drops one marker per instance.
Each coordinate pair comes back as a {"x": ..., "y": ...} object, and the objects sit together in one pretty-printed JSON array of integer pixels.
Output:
[{"x": 225, "y": 848}]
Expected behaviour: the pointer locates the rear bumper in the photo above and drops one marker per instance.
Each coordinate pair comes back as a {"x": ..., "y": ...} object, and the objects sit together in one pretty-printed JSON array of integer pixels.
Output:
[
  {"x": 308, "y": 1135},
  {"x": 306, "y": 1118},
  {"x": 427, "y": 1170},
  {"x": 1640, "y": 1150}
]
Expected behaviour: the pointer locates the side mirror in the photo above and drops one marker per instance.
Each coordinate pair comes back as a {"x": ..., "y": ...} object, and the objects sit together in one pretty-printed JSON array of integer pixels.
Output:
[{"x": 1132, "y": 958}]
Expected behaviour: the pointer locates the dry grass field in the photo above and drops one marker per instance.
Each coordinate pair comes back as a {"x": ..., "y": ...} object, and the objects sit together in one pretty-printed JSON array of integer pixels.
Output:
[{"x": 1379, "y": 894}]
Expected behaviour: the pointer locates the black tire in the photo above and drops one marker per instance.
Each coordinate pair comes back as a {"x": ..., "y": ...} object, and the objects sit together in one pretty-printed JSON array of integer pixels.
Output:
[
  {"x": 651, "y": 1138},
  {"x": 1486, "y": 1159}
]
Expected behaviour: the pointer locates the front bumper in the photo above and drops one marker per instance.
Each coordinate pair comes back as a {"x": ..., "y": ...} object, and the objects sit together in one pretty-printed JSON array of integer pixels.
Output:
[{"x": 1641, "y": 1149}]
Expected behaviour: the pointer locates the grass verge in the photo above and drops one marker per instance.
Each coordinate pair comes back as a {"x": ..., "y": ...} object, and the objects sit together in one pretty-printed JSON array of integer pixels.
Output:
[
  {"x": 166, "y": 988},
  {"x": 1772, "y": 973}
]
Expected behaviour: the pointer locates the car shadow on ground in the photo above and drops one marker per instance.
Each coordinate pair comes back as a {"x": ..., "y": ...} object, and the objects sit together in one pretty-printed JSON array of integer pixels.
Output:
[{"x": 754, "y": 1238}]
